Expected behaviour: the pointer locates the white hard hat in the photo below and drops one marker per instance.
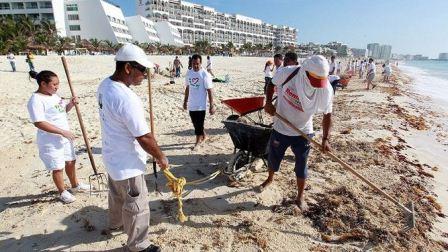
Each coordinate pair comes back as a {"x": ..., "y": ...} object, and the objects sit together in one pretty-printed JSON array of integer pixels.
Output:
[{"x": 131, "y": 52}]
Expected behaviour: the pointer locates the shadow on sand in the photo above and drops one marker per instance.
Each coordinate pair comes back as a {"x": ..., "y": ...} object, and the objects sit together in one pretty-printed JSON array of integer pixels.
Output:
[{"x": 82, "y": 227}]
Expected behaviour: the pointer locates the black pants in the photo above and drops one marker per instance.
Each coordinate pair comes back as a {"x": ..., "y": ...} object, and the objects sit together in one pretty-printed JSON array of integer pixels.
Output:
[
  {"x": 197, "y": 118},
  {"x": 267, "y": 81}
]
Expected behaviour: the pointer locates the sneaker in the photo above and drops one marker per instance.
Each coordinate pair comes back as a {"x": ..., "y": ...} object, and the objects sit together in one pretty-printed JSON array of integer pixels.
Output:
[
  {"x": 152, "y": 248},
  {"x": 67, "y": 197},
  {"x": 81, "y": 188}
]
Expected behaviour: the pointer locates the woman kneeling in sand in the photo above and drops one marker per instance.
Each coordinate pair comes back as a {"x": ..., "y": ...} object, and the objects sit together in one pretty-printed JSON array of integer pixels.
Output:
[{"x": 48, "y": 112}]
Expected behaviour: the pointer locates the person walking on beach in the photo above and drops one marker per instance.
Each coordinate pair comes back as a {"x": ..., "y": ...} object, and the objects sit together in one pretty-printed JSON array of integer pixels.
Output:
[
  {"x": 268, "y": 73},
  {"x": 370, "y": 74},
  {"x": 125, "y": 141},
  {"x": 333, "y": 65},
  {"x": 387, "y": 72},
  {"x": 210, "y": 66},
  {"x": 48, "y": 112},
  {"x": 189, "y": 63},
  {"x": 302, "y": 92},
  {"x": 12, "y": 61},
  {"x": 30, "y": 60},
  {"x": 339, "y": 68},
  {"x": 198, "y": 86},
  {"x": 177, "y": 65},
  {"x": 362, "y": 68}
]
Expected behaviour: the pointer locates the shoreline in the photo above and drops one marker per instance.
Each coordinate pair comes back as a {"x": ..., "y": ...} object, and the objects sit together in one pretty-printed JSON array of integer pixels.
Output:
[
  {"x": 379, "y": 132},
  {"x": 431, "y": 148}
]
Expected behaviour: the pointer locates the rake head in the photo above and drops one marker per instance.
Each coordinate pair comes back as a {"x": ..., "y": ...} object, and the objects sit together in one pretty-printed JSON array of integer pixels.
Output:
[
  {"x": 410, "y": 216},
  {"x": 100, "y": 179}
]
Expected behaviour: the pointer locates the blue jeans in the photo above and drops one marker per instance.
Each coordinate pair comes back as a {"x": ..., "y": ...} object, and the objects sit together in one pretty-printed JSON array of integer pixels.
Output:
[
  {"x": 279, "y": 143},
  {"x": 31, "y": 65},
  {"x": 13, "y": 65}
]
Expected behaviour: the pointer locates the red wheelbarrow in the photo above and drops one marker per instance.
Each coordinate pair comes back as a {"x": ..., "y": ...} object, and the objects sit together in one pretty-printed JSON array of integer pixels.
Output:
[{"x": 250, "y": 140}]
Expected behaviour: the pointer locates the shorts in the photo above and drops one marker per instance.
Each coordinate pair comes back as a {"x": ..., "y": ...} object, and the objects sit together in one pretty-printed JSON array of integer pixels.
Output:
[
  {"x": 54, "y": 156},
  {"x": 198, "y": 118},
  {"x": 278, "y": 143},
  {"x": 370, "y": 77}
]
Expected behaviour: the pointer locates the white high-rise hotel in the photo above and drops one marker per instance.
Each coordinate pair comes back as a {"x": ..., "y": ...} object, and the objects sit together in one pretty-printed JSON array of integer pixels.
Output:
[
  {"x": 173, "y": 22},
  {"x": 197, "y": 22}
]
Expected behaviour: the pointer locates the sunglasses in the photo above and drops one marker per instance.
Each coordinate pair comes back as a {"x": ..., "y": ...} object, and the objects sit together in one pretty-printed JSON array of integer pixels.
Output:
[{"x": 139, "y": 67}]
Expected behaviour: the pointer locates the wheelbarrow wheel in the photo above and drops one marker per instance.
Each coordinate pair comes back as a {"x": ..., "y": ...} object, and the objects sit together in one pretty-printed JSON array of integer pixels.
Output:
[{"x": 237, "y": 164}]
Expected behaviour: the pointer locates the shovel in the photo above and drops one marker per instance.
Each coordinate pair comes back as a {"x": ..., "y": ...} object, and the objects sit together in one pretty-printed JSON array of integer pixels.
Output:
[
  {"x": 99, "y": 177},
  {"x": 151, "y": 121},
  {"x": 408, "y": 211}
]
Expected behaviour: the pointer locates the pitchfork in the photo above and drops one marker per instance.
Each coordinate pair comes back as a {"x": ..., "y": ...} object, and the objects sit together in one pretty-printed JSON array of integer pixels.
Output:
[{"x": 99, "y": 177}]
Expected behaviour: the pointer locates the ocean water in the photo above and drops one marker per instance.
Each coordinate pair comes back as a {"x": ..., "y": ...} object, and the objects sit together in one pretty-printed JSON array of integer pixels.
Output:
[{"x": 430, "y": 79}]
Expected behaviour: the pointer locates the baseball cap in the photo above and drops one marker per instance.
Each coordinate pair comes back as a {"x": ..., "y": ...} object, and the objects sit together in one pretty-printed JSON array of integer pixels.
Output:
[
  {"x": 317, "y": 69},
  {"x": 131, "y": 52}
]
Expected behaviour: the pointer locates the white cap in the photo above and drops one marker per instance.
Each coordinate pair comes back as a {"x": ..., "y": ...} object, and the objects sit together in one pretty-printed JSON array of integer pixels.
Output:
[
  {"x": 131, "y": 52},
  {"x": 317, "y": 64},
  {"x": 317, "y": 68}
]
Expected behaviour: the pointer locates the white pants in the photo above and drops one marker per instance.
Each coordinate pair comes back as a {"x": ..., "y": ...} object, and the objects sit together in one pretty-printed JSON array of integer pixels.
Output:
[{"x": 54, "y": 156}]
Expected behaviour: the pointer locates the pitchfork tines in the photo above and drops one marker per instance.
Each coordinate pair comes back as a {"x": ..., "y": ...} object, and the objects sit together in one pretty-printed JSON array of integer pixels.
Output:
[{"x": 100, "y": 179}]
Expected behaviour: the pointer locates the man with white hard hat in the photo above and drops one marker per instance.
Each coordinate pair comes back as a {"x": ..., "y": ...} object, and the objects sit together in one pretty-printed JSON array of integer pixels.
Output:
[
  {"x": 125, "y": 141},
  {"x": 302, "y": 92}
]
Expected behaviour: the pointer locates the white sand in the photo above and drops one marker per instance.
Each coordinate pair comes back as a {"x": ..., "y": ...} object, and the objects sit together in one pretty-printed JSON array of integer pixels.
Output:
[{"x": 220, "y": 218}]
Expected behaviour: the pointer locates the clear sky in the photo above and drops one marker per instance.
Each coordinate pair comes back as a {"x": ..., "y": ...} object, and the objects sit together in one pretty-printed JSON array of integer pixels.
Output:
[{"x": 410, "y": 26}]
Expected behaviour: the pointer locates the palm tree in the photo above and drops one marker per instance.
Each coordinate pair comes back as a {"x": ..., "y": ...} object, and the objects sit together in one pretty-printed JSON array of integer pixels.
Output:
[
  {"x": 158, "y": 46},
  {"x": 268, "y": 47},
  {"x": 96, "y": 44},
  {"x": 278, "y": 49},
  {"x": 26, "y": 27},
  {"x": 109, "y": 45},
  {"x": 246, "y": 48},
  {"x": 231, "y": 47},
  {"x": 202, "y": 46},
  {"x": 43, "y": 41},
  {"x": 63, "y": 43}
]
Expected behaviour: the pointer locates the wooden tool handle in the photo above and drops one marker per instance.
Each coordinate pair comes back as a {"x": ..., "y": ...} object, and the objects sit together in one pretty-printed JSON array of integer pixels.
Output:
[
  {"x": 151, "y": 119},
  {"x": 151, "y": 115},
  {"x": 345, "y": 165},
  {"x": 78, "y": 113}
]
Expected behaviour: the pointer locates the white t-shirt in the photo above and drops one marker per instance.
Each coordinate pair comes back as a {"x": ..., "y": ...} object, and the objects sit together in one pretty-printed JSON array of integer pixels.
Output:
[
  {"x": 209, "y": 64},
  {"x": 51, "y": 109},
  {"x": 198, "y": 83},
  {"x": 333, "y": 67},
  {"x": 371, "y": 68},
  {"x": 268, "y": 72},
  {"x": 122, "y": 120},
  {"x": 333, "y": 77},
  {"x": 289, "y": 103},
  {"x": 363, "y": 66},
  {"x": 11, "y": 57}
]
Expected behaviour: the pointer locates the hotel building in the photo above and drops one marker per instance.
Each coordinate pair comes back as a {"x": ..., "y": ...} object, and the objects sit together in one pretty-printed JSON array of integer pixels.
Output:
[
  {"x": 443, "y": 56},
  {"x": 37, "y": 10},
  {"x": 142, "y": 29},
  {"x": 78, "y": 19},
  {"x": 197, "y": 22},
  {"x": 377, "y": 51},
  {"x": 168, "y": 34},
  {"x": 87, "y": 19}
]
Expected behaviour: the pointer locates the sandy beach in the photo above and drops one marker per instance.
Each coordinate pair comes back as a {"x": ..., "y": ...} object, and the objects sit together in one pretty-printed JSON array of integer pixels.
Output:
[{"x": 391, "y": 135}]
